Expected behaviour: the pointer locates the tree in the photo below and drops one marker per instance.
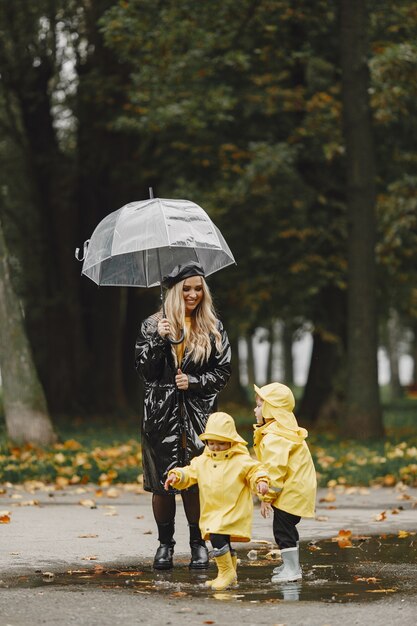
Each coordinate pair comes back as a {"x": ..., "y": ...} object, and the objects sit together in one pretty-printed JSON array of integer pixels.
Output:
[
  {"x": 363, "y": 414},
  {"x": 74, "y": 171},
  {"x": 27, "y": 418}
]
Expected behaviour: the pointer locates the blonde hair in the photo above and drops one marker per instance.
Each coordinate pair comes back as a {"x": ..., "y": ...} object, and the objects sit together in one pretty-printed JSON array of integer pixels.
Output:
[{"x": 203, "y": 322}]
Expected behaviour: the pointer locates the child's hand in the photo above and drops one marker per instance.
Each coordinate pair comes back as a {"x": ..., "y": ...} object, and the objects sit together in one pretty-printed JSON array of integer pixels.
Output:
[
  {"x": 171, "y": 480},
  {"x": 266, "y": 509},
  {"x": 262, "y": 487}
]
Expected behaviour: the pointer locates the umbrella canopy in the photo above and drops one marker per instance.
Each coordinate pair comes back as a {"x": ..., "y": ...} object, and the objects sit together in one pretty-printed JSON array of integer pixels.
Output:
[{"x": 142, "y": 242}]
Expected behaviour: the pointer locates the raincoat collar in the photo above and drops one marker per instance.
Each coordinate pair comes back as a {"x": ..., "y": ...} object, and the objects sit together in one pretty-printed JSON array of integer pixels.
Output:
[
  {"x": 274, "y": 427},
  {"x": 278, "y": 404},
  {"x": 223, "y": 455}
]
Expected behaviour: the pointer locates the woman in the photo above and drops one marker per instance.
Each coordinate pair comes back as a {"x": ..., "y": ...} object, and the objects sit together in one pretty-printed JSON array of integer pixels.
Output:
[{"x": 181, "y": 387}]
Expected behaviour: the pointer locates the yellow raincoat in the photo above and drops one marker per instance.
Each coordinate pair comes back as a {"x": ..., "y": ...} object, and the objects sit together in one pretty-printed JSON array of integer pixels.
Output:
[
  {"x": 280, "y": 446},
  {"x": 225, "y": 480}
]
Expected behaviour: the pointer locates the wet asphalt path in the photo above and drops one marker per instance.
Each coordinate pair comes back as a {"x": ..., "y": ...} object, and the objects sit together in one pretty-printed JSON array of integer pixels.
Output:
[{"x": 84, "y": 527}]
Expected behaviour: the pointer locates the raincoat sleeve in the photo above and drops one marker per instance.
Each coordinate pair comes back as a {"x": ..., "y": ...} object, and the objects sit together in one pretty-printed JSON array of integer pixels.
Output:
[
  {"x": 218, "y": 372},
  {"x": 187, "y": 475},
  {"x": 150, "y": 351},
  {"x": 255, "y": 472},
  {"x": 275, "y": 453}
]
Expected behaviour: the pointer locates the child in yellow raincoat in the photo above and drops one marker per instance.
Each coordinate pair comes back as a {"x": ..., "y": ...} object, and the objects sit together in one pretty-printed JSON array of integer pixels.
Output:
[
  {"x": 226, "y": 474},
  {"x": 280, "y": 445}
]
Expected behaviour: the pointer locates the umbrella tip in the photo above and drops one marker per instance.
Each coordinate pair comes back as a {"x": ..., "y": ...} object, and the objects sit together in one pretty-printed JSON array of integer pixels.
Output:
[{"x": 150, "y": 193}]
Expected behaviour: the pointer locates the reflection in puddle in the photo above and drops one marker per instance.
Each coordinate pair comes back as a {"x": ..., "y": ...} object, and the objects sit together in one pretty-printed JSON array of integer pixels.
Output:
[{"x": 357, "y": 569}]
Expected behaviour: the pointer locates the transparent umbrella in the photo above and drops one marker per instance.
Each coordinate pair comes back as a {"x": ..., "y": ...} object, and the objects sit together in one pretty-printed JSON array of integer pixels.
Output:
[{"x": 141, "y": 243}]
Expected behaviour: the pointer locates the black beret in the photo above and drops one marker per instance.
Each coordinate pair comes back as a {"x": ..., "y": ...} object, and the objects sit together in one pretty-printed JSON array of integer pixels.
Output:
[{"x": 181, "y": 272}]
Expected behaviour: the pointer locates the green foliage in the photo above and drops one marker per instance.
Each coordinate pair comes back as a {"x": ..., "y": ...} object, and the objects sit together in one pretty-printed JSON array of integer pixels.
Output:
[{"x": 243, "y": 105}]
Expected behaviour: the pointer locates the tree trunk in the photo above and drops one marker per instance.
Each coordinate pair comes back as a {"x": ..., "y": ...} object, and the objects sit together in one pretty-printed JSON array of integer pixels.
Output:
[
  {"x": 363, "y": 414},
  {"x": 271, "y": 351},
  {"x": 393, "y": 341},
  {"x": 234, "y": 391},
  {"x": 287, "y": 341},
  {"x": 325, "y": 386},
  {"x": 324, "y": 364},
  {"x": 43, "y": 233},
  {"x": 414, "y": 357},
  {"x": 27, "y": 418},
  {"x": 250, "y": 361}
]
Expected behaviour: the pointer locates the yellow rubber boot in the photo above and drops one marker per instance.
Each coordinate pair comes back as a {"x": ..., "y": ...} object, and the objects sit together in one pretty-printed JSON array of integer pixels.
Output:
[
  {"x": 234, "y": 562},
  {"x": 226, "y": 572},
  {"x": 209, "y": 583}
]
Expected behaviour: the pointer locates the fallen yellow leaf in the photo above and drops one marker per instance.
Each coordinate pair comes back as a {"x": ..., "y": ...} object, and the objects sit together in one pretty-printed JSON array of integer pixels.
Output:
[
  {"x": 371, "y": 579},
  {"x": 88, "y": 503},
  {"x": 273, "y": 554},
  {"x": 62, "y": 481},
  {"x": 402, "y": 534},
  {"x": 112, "y": 493},
  {"x": 381, "y": 517},
  {"x": 89, "y": 558},
  {"x": 404, "y": 496},
  {"x": 343, "y": 538},
  {"x": 329, "y": 497},
  {"x": 313, "y": 548},
  {"x": 178, "y": 594}
]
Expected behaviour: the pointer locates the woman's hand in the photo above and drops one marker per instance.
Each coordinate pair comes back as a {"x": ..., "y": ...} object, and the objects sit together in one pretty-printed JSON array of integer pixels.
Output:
[
  {"x": 262, "y": 487},
  {"x": 266, "y": 509},
  {"x": 164, "y": 328},
  {"x": 171, "y": 480},
  {"x": 181, "y": 380}
]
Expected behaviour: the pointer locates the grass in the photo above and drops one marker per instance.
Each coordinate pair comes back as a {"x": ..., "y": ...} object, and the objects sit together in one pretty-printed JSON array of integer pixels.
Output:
[{"x": 107, "y": 452}]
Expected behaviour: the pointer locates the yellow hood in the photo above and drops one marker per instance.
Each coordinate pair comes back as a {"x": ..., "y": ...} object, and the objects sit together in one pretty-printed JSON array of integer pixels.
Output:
[
  {"x": 278, "y": 404},
  {"x": 221, "y": 426}
]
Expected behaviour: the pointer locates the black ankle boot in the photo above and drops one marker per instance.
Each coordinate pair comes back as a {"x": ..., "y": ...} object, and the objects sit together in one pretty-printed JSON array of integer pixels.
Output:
[
  {"x": 165, "y": 552},
  {"x": 163, "y": 557},
  {"x": 199, "y": 556},
  {"x": 199, "y": 552}
]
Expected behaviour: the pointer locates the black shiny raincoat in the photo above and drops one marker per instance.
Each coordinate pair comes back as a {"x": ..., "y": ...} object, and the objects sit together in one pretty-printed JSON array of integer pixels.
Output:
[{"x": 174, "y": 419}]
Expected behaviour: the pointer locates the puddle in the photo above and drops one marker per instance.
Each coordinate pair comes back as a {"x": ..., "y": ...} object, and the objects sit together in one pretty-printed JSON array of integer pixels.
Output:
[{"x": 349, "y": 569}]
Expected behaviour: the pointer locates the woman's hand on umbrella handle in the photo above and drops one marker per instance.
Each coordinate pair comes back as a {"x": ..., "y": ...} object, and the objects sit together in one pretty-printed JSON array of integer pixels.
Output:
[
  {"x": 164, "y": 327},
  {"x": 181, "y": 380}
]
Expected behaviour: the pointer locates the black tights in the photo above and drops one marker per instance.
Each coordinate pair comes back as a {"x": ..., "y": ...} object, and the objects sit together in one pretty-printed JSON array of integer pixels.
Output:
[
  {"x": 164, "y": 507},
  {"x": 220, "y": 541},
  {"x": 285, "y": 528}
]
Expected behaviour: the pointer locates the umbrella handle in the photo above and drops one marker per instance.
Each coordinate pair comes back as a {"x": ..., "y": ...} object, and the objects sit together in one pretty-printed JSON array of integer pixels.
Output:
[
  {"x": 175, "y": 342},
  {"x": 77, "y": 251}
]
